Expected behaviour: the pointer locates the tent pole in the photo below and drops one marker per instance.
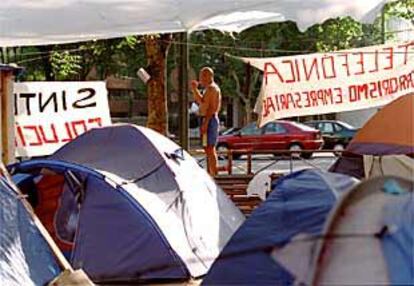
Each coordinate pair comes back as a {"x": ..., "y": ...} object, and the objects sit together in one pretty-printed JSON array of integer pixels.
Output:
[{"x": 183, "y": 90}]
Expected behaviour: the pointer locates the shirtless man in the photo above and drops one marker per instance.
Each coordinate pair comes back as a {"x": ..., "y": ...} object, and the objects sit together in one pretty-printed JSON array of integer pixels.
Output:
[{"x": 210, "y": 103}]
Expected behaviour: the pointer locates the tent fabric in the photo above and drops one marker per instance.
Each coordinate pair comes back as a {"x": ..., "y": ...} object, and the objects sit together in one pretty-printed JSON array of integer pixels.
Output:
[
  {"x": 391, "y": 165},
  {"x": 365, "y": 238},
  {"x": 298, "y": 204},
  {"x": 135, "y": 244},
  {"x": 349, "y": 164},
  {"x": 398, "y": 245},
  {"x": 389, "y": 132},
  {"x": 28, "y": 22},
  {"x": 381, "y": 149},
  {"x": 260, "y": 184},
  {"x": 89, "y": 151},
  {"x": 154, "y": 217},
  {"x": 66, "y": 217},
  {"x": 48, "y": 190},
  {"x": 25, "y": 257}
]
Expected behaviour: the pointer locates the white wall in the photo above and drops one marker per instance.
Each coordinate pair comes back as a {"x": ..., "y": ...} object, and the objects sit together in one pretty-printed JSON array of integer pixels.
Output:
[{"x": 356, "y": 118}]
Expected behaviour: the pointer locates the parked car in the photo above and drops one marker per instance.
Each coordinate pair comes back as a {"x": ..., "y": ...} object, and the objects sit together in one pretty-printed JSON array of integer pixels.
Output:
[
  {"x": 277, "y": 135},
  {"x": 229, "y": 131},
  {"x": 336, "y": 134}
]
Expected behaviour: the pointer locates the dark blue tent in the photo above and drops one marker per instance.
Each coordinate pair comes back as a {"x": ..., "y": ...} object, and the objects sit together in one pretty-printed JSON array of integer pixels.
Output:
[
  {"x": 299, "y": 203},
  {"x": 25, "y": 257},
  {"x": 127, "y": 204}
]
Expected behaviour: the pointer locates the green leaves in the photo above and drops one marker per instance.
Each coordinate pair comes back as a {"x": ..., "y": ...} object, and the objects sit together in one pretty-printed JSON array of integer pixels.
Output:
[
  {"x": 64, "y": 64},
  {"x": 336, "y": 34},
  {"x": 401, "y": 9}
]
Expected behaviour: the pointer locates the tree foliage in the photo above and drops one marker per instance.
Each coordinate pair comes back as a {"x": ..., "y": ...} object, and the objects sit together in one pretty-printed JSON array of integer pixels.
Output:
[
  {"x": 400, "y": 9},
  {"x": 65, "y": 65}
]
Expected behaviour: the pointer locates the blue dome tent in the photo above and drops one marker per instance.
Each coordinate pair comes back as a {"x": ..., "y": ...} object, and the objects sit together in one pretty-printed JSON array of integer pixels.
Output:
[
  {"x": 127, "y": 204},
  {"x": 298, "y": 204}
]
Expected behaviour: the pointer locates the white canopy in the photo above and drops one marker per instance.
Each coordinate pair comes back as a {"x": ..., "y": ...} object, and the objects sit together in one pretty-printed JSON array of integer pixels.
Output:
[{"x": 39, "y": 22}]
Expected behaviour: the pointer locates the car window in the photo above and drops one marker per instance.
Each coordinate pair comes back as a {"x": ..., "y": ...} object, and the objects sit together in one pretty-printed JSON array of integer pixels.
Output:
[
  {"x": 301, "y": 126},
  {"x": 274, "y": 128},
  {"x": 319, "y": 126},
  {"x": 327, "y": 127},
  {"x": 346, "y": 125},
  {"x": 251, "y": 129},
  {"x": 338, "y": 128}
]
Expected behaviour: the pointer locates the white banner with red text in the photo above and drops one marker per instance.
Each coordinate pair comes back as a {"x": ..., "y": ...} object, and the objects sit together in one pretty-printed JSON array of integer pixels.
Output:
[
  {"x": 333, "y": 82},
  {"x": 50, "y": 114}
]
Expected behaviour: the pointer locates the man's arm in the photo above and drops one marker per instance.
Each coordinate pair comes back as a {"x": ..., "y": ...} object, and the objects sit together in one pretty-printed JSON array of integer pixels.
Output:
[{"x": 197, "y": 95}]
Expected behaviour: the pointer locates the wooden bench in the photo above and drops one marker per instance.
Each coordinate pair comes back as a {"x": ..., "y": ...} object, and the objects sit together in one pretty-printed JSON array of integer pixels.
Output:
[
  {"x": 235, "y": 187},
  {"x": 247, "y": 204}
]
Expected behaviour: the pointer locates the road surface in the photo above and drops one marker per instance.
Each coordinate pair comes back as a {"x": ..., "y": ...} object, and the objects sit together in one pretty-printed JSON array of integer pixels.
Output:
[{"x": 268, "y": 162}]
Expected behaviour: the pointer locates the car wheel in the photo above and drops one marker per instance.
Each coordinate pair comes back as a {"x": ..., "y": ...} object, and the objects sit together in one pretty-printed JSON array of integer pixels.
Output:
[
  {"x": 297, "y": 150},
  {"x": 307, "y": 155},
  {"x": 222, "y": 150},
  {"x": 236, "y": 156},
  {"x": 338, "y": 148}
]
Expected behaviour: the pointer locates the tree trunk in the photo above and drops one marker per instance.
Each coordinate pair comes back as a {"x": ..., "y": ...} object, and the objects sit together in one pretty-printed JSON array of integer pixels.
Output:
[
  {"x": 156, "y": 47},
  {"x": 3, "y": 58},
  {"x": 246, "y": 91},
  {"x": 249, "y": 110},
  {"x": 47, "y": 66}
]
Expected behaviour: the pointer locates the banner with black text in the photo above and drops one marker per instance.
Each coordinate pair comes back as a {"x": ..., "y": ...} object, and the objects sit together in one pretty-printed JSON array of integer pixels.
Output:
[
  {"x": 333, "y": 82},
  {"x": 50, "y": 114}
]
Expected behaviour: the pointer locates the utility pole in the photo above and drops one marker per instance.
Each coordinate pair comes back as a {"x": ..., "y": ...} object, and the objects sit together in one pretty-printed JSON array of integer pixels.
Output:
[{"x": 183, "y": 90}]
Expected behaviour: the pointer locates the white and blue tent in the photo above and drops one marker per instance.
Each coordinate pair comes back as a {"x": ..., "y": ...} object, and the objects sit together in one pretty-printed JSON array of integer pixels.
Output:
[
  {"x": 132, "y": 205},
  {"x": 368, "y": 238},
  {"x": 298, "y": 205}
]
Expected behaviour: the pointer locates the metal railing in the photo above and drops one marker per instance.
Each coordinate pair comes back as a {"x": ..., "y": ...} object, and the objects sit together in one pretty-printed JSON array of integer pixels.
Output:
[{"x": 279, "y": 155}]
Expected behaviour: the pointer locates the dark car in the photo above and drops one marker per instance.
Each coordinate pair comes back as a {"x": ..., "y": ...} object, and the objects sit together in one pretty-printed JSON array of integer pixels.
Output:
[
  {"x": 336, "y": 134},
  {"x": 277, "y": 135}
]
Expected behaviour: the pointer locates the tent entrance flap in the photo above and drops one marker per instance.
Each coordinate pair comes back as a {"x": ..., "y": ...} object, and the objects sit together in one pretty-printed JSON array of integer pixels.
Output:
[{"x": 56, "y": 199}]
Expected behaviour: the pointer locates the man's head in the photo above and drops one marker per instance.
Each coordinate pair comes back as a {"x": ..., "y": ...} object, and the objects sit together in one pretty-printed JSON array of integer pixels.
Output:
[{"x": 206, "y": 76}]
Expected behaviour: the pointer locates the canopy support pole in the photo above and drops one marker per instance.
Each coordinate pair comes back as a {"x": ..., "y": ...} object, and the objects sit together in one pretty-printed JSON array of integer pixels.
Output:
[
  {"x": 183, "y": 90},
  {"x": 7, "y": 117}
]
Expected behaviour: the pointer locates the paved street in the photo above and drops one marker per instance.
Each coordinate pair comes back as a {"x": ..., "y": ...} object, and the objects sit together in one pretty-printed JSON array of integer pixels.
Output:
[{"x": 269, "y": 162}]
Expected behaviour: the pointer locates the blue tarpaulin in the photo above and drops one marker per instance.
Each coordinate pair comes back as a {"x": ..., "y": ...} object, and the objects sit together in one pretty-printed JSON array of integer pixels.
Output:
[{"x": 25, "y": 257}]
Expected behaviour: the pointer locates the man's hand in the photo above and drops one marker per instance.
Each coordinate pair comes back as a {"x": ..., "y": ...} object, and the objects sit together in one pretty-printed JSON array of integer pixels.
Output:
[
  {"x": 194, "y": 84},
  {"x": 204, "y": 126}
]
